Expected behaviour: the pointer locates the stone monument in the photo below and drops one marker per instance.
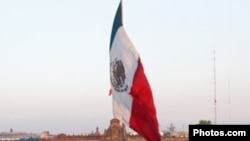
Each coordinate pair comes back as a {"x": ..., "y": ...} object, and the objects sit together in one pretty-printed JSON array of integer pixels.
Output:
[{"x": 115, "y": 132}]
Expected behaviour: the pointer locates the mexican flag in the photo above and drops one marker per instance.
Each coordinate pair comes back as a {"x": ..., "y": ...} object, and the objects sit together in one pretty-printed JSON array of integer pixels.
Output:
[{"x": 133, "y": 102}]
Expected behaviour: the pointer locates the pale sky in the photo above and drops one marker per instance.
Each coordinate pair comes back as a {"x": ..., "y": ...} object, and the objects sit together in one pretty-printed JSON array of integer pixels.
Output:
[{"x": 54, "y": 61}]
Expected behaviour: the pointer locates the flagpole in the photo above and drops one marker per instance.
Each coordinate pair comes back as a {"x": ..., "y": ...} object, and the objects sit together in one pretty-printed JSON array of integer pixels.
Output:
[{"x": 123, "y": 132}]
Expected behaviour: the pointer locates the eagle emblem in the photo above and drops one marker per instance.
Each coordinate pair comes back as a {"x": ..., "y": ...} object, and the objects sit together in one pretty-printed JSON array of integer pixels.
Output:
[{"x": 118, "y": 76}]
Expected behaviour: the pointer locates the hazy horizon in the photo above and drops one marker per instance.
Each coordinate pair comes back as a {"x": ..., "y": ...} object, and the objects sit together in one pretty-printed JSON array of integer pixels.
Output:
[{"x": 54, "y": 62}]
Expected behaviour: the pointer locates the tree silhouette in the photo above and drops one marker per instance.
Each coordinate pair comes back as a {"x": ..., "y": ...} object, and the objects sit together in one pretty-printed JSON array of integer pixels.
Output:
[
  {"x": 171, "y": 128},
  {"x": 205, "y": 122}
]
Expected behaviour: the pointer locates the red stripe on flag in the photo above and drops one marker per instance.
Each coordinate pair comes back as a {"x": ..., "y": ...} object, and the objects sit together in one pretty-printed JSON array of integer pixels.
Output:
[
  {"x": 110, "y": 91},
  {"x": 143, "y": 113}
]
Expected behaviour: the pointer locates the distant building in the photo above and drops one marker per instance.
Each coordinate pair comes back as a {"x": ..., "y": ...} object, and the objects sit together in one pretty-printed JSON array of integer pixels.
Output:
[
  {"x": 176, "y": 134},
  {"x": 115, "y": 132},
  {"x": 18, "y": 136},
  {"x": 97, "y": 132},
  {"x": 46, "y": 135}
]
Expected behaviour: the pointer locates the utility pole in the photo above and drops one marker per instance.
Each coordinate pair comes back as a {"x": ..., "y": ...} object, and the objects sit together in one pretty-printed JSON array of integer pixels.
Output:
[
  {"x": 229, "y": 100},
  {"x": 215, "y": 101}
]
